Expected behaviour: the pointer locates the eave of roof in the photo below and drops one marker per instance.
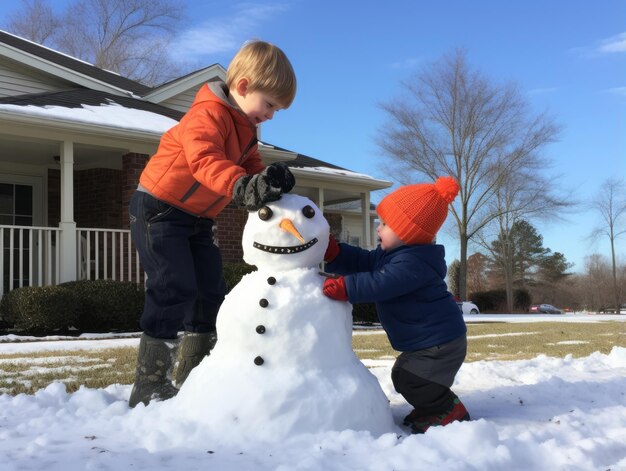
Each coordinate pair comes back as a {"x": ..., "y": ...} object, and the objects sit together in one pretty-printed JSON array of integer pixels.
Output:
[
  {"x": 46, "y": 127},
  {"x": 184, "y": 83},
  {"x": 329, "y": 175},
  {"x": 67, "y": 67}
]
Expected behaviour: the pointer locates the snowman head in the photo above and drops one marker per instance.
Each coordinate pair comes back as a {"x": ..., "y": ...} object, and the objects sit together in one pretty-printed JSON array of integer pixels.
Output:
[{"x": 289, "y": 233}]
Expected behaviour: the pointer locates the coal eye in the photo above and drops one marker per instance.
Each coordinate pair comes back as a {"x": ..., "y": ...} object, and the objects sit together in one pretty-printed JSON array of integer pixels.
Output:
[
  {"x": 265, "y": 213},
  {"x": 308, "y": 211}
]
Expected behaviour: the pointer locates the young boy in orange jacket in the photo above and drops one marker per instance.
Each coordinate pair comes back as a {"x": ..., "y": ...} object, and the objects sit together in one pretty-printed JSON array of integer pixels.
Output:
[
  {"x": 203, "y": 163},
  {"x": 404, "y": 276}
]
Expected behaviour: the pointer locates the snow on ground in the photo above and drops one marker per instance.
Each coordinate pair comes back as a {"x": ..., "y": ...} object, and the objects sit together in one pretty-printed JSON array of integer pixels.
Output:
[{"x": 545, "y": 413}]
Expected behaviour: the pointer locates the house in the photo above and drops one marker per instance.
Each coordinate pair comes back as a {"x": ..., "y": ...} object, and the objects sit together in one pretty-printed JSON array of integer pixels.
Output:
[{"x": 73, "y": 141}]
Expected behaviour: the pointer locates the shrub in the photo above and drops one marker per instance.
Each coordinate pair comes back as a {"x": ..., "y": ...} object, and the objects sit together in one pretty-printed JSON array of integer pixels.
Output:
[
  {"x": 40, "y": 309},
  {"x": 495, "y": 300},
  {"x": 364, "y": 313},
  {"x": 107, "y": 305},
  {"x": 233, "y": 272},
  {"x": 522, "y": 299},
  {"x": 490, "y": 301}
]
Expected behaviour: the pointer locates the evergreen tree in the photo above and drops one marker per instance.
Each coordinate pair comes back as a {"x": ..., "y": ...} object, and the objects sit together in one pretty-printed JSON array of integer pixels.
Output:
[
  {"x": 515, "y": 254},
  {"x": 453, "y": 277},
  {"x": 528, "y": 250},
  {"x": 553, "y": 268}
]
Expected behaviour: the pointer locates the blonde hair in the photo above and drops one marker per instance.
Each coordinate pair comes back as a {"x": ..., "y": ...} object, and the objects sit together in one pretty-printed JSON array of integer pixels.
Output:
[{"x": 267, "y": 68}]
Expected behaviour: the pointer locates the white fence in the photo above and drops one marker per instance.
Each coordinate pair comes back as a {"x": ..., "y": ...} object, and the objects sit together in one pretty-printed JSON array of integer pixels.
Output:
[
  {"x": 30, "y": 256},
  {"x": 107, "y": 254}
]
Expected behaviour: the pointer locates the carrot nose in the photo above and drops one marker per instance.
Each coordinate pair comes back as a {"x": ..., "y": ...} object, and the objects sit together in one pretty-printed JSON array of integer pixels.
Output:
[{"x": 287, "y": 226}]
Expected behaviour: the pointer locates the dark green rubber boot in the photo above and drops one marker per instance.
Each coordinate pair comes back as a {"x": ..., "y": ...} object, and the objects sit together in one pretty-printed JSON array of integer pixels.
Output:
[
  {"x": 193, "y": 348},
  {"x": 153, "y": 374}
]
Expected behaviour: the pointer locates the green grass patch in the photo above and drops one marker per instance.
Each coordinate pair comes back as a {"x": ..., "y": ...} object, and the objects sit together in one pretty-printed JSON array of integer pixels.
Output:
[
  {"x": 523, "y": 341},
  {"x": 27, "y": 373},
  {"x": 556, "y": 339}
]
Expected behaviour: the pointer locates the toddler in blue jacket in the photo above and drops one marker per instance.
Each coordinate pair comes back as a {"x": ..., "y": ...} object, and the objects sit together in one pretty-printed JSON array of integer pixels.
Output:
[{"x": 404, "y": 276}]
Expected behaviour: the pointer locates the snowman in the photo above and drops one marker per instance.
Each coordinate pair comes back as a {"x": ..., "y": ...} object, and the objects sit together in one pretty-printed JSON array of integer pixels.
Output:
[{"x": 284, "y": 362}]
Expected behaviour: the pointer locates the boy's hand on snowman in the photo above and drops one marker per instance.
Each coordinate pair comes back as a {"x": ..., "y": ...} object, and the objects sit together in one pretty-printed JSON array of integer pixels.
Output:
[
  {"x": 335, "y": 288},
  {"x": 255, "y": 191},
  {"x": 332, "y": 250},
  {"x": 279, "y": 175}
]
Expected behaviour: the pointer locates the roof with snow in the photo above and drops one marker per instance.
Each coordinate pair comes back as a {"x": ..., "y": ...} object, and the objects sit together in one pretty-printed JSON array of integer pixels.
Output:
[
  {"x": 78, "y": 97},
  {"x": 74, "y": 64}
]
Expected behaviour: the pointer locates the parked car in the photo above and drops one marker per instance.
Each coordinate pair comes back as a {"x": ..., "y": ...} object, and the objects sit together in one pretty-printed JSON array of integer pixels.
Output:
[
  {"x": 468, "y": 307},
  {"x": 612, "y": 310},
  {"x": 544, "y": 309}
]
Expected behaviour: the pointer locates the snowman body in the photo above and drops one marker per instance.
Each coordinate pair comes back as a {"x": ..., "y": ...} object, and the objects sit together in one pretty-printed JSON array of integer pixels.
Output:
[{"x": 284, "y": 363}]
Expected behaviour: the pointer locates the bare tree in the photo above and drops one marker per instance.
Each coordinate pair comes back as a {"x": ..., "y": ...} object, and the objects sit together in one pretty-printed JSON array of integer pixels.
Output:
[
  {"x": 611, "y": 204},
  {"x": 454, "y": 121},
  {"x": 35, "y": 21},
  {"x": 476, "y": 273},
  {"x": 521, "y": 196},
  {"x": 129, "y": 37},
  {"x": 595, "y": 282}
]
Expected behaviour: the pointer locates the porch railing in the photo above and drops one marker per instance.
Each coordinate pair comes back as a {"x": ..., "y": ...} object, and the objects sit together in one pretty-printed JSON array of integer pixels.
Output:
[
  {"x": 107, "y": 254},
  {"x": 30, "y": 256}
]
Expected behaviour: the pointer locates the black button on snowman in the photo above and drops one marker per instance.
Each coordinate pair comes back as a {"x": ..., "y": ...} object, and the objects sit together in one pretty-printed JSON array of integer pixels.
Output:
[
  {"x": 286, "y": 225},
  {"x": 260, "y": 329}
]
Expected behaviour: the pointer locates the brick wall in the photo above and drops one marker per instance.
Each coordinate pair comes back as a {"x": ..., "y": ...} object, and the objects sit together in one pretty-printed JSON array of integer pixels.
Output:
[
  {"x": 132, "y": 166},
  {"x": 229, "y": 229},
  {"x": 97, "y": 198}
]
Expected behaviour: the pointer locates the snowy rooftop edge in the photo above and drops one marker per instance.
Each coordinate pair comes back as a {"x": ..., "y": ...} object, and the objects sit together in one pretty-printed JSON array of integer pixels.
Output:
[
  {"x": 111, "y": 115},
  {"x": 334, "y": 171}
]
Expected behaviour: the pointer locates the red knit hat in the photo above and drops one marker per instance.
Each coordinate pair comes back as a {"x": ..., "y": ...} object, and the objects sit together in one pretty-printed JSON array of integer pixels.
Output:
[{"x": 416, "y": 212}]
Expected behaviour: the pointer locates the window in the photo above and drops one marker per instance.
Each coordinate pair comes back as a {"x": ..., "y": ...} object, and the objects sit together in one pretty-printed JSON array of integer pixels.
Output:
[
  {"x": 354, "y": 240},
  {"x": 16, "y": 209},
  {"x": 16, "y": 204}
]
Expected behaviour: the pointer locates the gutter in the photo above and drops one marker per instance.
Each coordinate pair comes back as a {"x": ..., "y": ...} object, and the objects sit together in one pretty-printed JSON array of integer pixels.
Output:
[
  {"x": 79, "y": 127},
  {"x": 363, "y": 181}
]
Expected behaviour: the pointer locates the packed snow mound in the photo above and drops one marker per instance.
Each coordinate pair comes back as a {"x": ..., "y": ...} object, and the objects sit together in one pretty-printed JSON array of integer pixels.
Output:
[{"x": 283, "y": 364}]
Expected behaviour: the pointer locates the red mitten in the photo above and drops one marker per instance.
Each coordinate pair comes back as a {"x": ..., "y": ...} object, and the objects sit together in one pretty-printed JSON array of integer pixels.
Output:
[
  {"x": 335, "y": 288},
  {"x": 332, "y": 250}
]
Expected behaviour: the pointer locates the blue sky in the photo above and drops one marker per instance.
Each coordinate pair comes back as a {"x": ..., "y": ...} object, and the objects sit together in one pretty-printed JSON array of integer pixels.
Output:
[{"x": 567, "y": 56}]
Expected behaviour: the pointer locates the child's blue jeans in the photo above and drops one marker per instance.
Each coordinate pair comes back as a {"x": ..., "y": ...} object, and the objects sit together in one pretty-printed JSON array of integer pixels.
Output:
[{"x": 185, "y": 284}]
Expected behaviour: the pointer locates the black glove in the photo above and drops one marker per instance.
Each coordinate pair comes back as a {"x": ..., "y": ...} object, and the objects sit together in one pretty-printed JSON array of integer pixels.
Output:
[
  {"x": 255, "y": 191},
  {"x": 280, "y": 176}
]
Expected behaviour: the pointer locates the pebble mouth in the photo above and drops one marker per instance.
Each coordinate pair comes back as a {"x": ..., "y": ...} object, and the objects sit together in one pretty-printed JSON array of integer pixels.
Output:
[{"x": 285, "y": 250}]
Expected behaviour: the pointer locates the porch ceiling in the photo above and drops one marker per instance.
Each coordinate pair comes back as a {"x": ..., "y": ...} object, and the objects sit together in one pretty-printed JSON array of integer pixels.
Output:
[
  {"x": 41, "y": 152},
  {"x": 330, "y": 196}
]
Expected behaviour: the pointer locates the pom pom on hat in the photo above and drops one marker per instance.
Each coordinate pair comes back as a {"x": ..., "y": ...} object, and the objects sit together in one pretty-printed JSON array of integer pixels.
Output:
[
  {"x": 416, "y": 212},
  {"x": 448, "y": 188}
]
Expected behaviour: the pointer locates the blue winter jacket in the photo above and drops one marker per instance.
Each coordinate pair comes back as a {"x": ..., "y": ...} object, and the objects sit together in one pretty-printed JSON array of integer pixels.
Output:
[{"x": 407, "y": 284}]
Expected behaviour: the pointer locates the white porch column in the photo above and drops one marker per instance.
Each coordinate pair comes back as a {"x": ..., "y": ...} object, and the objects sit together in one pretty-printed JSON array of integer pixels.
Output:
[
  {"x": 67, "y": 262},
  {"x": 320, "y": 199},
  {"x": 365, "y": 213}
]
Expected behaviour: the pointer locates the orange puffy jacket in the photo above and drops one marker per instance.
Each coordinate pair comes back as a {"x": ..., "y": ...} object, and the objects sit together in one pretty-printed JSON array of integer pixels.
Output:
[{"x": 200, "y": 159}]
